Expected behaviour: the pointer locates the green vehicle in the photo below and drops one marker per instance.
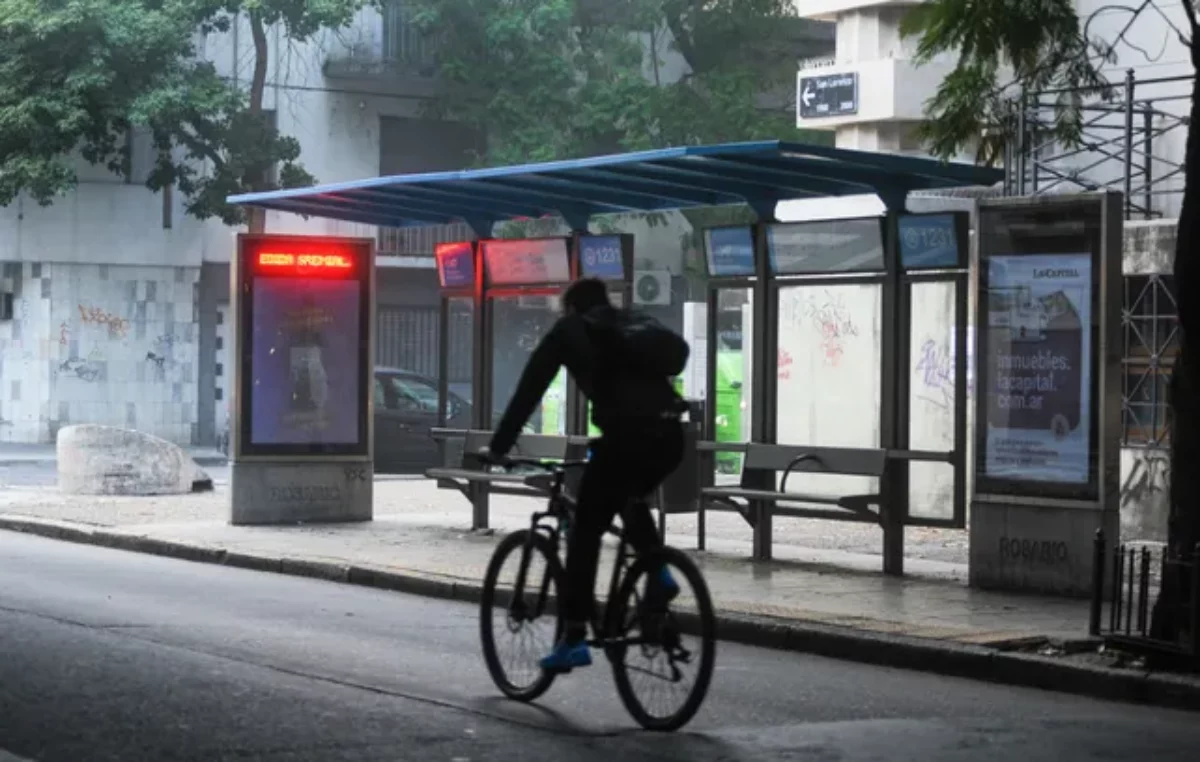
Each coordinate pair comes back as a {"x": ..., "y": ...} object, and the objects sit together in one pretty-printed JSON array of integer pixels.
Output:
[{"x": 730, "y": 405}]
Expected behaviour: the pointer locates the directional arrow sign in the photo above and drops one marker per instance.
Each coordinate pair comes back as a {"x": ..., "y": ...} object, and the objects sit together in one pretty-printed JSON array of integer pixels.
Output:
[{"x": 828, "y": 95}]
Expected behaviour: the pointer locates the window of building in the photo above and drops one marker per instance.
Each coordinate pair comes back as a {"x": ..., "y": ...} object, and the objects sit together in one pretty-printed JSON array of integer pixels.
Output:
[{"x": 1151, "y": 326}]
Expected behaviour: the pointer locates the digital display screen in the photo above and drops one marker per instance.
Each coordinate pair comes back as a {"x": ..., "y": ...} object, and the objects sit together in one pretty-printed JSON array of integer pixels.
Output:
[
  {"x": 305, "y": 324},
  {"x": 930, "y": 241},
  {"x": 456, "y": 264},
  {"x": 729, "y": 251},
  {"x": 527, "y": 262},
  {"x": 1037, "y": 381},
  {"x": 851, "y": 245},
  {"x": 1038, "y": 349},
  {"x": 601, "y": 257}
]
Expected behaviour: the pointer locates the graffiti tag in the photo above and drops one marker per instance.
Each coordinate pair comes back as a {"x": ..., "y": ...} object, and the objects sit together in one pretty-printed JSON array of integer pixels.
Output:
[
  {"x": 1150, "y": 475},
  {"x": 835, "y": 325},
  {"x": 937, "y": 375},
  {"x": 117, "y": 326}
]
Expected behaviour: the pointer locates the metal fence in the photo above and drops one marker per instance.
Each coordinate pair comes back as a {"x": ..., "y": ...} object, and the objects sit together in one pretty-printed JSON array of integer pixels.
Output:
[
  {"x": 1132, "y": 141},
  {"x": 403, "y": 42},
  {"x": 407, "y": 338},
  {"x": 1133, "y": 576},
  {"x": 419, "y": 241},
  {"x": 1150, "y": 320}
]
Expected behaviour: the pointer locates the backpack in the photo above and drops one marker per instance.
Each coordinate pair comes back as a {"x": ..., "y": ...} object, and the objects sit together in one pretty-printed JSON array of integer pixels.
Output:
[{"x": 642, "y": 344}]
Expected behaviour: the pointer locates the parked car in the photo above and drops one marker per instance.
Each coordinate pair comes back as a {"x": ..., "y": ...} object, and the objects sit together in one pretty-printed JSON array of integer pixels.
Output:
[{"x": 406, "y": 406}]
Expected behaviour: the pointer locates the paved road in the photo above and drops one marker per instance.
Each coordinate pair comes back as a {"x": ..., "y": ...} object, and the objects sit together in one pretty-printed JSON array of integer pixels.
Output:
[{"x": 106, "y": 655}]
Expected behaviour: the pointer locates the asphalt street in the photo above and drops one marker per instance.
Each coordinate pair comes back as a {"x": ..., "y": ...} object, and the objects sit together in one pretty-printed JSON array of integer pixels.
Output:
[{"x": 108, "y": 655}]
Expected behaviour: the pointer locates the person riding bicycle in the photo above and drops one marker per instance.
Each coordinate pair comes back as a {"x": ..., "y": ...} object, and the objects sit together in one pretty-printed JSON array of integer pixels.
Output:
[{"x": 639, "y": 415}]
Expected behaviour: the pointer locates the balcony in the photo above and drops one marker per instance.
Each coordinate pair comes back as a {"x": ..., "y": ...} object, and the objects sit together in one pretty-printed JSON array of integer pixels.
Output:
[
  {"x": 829, "y": 10},
  {"x": 419, "y": 242},
  {"x": 385, "y": 45}
]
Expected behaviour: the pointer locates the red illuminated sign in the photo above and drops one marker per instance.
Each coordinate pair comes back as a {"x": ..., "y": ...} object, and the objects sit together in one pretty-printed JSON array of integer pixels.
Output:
[{"x": 273, "y": 260}]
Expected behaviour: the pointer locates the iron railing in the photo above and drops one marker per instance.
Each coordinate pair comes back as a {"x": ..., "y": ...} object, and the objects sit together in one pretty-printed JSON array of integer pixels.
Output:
[
  {"x": 1150, "y": 323},
  {"x": 1132, "y": 140},
  {"x": 1127, "y": 581},
  {"x": 396, "y": 46},
  {"x": 420, "y": 241}
]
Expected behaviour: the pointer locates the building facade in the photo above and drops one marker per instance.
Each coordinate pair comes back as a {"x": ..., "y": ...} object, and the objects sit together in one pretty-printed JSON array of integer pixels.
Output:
[{"x": 871, "y": 95}]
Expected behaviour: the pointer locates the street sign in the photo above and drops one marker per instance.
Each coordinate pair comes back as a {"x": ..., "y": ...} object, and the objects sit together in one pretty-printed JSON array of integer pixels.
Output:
[{"x": 827, "y": 95}]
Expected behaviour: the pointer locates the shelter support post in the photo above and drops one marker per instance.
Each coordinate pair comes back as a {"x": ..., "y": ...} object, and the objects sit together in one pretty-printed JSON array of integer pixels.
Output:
[
  {"x": 894, "y": 424},
  {"x": 481, "y": 385},
  {"x": 762, "y": 394}
]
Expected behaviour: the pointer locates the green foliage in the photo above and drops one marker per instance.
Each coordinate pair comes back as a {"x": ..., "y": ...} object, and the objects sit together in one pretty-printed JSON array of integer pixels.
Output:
[
  {"x": 79, "y": 74},
  {"x": 553, "y": 79},
  {"x": 1004, "y": 47}
]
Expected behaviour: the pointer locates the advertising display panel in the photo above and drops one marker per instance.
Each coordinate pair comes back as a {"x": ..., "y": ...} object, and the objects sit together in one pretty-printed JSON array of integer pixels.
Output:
[
  {"x": 304, "y": 344},
  {"x": 1038, "y": 309},
  {"x": 455, "y": 264}
]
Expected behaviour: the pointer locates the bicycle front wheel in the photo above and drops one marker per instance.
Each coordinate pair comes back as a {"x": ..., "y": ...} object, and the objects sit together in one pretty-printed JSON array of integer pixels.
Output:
[
  {"x": 528, "y": 616},
  {"x": 661, "y": 647}
]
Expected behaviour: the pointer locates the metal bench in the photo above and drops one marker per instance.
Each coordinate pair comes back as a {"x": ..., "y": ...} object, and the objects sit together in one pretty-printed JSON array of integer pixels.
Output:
[
  {"x": 758, "y": 500},
  {"x": 476, "y": 482}
]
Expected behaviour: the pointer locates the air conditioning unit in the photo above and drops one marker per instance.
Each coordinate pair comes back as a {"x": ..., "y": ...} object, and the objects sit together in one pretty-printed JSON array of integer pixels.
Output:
[{"x": 652, "y": 287}]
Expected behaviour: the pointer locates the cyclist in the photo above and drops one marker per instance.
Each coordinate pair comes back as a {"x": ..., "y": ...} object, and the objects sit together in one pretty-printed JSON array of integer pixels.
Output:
[{"x": 639, "y": 414}]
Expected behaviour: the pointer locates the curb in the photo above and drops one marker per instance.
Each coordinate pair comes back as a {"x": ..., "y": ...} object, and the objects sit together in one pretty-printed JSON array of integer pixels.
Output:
[
  {"x": 204, "y": 461},
  {"x": 1165, "y": 690}
]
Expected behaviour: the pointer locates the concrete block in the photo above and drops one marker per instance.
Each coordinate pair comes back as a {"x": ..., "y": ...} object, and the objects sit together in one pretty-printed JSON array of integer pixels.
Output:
[
  {"x": 105, "y": 460},
  {"x": 1037, "y": 548},
  {"x": 282, "y": 492}
]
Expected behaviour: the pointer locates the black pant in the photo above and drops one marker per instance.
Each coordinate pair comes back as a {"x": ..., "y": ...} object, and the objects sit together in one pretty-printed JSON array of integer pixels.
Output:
[{"x": 628, "y": 463}]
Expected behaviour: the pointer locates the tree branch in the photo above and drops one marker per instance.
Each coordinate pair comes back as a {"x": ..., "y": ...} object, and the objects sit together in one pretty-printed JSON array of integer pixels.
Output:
[{"x": 1189, "y": 10}]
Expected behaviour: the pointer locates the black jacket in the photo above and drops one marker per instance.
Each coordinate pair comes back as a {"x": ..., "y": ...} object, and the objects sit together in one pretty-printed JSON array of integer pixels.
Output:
[{"x": 585, "y": 345}]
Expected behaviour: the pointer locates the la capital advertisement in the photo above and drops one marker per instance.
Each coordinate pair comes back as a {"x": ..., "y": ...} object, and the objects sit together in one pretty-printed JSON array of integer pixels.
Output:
[{"x": 1038, "y": 369}]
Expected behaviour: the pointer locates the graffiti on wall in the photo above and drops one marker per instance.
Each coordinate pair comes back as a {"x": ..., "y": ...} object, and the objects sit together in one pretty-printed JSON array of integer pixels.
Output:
[
  {"x": 935, "y": 370},
  {"x": 834, "y": 324},
  {"x": 87, "y": 369},
  {"x": 1150, "y": 476},
  {"x": 118, "y": 327}
]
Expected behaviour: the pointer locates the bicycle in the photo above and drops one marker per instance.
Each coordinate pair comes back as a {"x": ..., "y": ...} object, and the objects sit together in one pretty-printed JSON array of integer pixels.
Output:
[{"x": 658, "y": 631}]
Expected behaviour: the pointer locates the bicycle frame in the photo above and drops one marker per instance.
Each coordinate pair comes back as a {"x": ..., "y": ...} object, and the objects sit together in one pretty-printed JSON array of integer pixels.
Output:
[{"x": 562, "y": 508}]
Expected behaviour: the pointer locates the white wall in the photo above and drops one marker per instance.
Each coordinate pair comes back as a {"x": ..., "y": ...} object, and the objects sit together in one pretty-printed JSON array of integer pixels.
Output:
[{"x": 103, "y": 344}]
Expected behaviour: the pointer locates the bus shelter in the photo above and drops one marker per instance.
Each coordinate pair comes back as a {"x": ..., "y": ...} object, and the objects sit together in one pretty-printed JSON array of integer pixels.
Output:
[{"x": 853, "y": 330}]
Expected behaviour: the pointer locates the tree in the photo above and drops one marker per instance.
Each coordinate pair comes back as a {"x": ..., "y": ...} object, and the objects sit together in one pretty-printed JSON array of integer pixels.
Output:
[
  {"x": 1006, "y": 45},
  {"x": 553, "y": 79},
  {"x": 82, "y": 74}
]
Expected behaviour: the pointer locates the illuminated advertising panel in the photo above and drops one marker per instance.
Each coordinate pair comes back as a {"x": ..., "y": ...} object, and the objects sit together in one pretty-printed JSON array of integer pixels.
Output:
[
  {"x": 456, "y": 264},
  {"x": 527, "y": 262},
  {"x": 824, "y": 246},
  {"x": 305, "y": 317},
  {"x": 934, "y": 241},
  {"x": 1039, "y": 351},
  {"x": 729, "y": 252},
  {"x": 602, "y": 256}
]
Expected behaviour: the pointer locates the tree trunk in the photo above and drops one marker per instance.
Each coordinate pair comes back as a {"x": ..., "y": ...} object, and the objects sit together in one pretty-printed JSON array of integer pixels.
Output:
[
  {"x": 256, "y": 218},
  {"x": 1183, "y": 528}
]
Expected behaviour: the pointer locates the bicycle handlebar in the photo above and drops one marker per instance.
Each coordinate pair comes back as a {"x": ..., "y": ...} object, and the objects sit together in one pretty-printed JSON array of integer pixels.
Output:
[{"x": 510, "y": 461}]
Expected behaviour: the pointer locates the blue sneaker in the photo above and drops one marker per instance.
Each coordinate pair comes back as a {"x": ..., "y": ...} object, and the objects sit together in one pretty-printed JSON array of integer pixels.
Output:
[
  {"x": 668, "y": 585},
  {"x": 566, "y": 657},
  {"x": 661, "y": 589}
]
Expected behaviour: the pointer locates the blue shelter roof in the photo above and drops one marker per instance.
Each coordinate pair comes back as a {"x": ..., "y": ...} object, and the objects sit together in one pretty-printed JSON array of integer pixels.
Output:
[{"x": 759, "y": 174}]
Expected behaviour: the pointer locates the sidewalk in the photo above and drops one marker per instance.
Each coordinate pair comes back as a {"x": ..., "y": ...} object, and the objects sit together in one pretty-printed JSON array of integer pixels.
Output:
[
  {"x": 423, "y": 530},
  {"x": 827, "y": 598},
  {"x": 18, "y": 454}
]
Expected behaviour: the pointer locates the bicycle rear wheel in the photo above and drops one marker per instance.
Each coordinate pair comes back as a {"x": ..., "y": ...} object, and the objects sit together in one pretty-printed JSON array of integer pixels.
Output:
[
  {"x": 521, "y": 678},
  {"x": 663, "y": 633}
]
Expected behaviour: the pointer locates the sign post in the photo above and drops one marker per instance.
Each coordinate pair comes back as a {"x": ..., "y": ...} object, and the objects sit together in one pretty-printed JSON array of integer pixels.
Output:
[
  {"x": 1048, "y": 409},
  {"x": 301, "y": 436}
]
